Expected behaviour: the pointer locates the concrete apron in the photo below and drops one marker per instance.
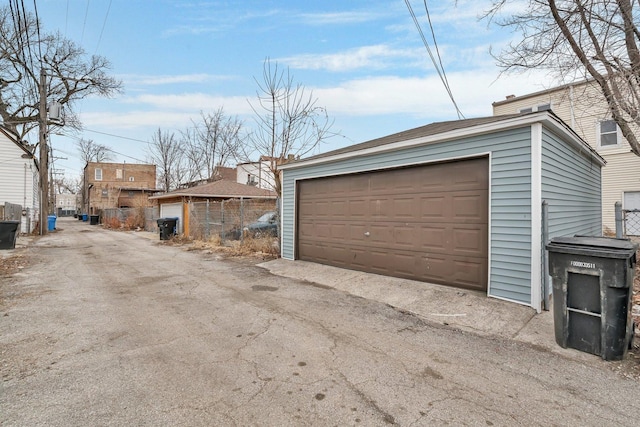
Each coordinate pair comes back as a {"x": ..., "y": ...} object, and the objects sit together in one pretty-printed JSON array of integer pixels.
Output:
[{"x": 466, "y": 310}]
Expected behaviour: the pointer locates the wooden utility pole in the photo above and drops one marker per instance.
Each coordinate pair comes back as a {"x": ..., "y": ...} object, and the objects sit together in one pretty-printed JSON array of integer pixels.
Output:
[{"x": 44, "y": 155}]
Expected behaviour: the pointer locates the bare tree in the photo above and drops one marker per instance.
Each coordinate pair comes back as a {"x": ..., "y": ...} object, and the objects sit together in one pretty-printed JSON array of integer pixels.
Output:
[
  {"x": 211, "y": 142},
  {"x": 167, "y": 154},
  {"x": 596, "y": 39},
  {"x": 70, "y": 74},
  {"x": 93, "y": 152},
  {"x": 289, "y": 121},
  {"x": 67, "y": 185}
]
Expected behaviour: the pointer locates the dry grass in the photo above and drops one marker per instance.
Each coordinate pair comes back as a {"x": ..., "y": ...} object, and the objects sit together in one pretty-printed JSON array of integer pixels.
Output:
[
  {"x": 113, "y": 223},
  {"x": 264, "y": 247}
]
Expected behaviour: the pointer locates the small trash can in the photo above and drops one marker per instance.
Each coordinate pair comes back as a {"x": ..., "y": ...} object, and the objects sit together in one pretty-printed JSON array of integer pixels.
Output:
[
  {"x": 8, "y": 234},
  {"x": 167, "y": 227},
  {"x": 94, "y": 219},
  {"x": 592, "y": 286},
  {"x": 79, "y": 217},
  {"x": 85, "y": 217},
  {"x": 51, "y": 222}
]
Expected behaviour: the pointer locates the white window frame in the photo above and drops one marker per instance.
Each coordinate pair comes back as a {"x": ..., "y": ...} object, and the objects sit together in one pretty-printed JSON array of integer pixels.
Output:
[
  {"x": 535, "y": 108},
  {"x": 131, "y": 179},
  {"x": 98, "y": 174},
  {"x": 118, "y": 173},
  {"x": 599, "y": 135}
]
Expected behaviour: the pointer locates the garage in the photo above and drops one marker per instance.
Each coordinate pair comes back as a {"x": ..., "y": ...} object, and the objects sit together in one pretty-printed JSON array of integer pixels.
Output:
[
  {"x": 172, "y": 210},
  {"x": 427, "y": 223},
  {"x": 455, "y": 203}
]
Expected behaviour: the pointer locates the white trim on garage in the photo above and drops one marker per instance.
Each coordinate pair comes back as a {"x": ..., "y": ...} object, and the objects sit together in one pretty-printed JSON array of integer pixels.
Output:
[{"x": 536, "y": 216}]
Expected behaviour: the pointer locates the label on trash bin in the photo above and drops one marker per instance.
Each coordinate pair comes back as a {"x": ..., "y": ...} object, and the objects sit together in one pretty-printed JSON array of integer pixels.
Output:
[{"x": 583, "y": 264}]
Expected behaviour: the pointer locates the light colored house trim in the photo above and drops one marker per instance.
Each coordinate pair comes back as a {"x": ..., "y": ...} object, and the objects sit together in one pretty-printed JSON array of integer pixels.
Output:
[{"x": 536, "y": 215}]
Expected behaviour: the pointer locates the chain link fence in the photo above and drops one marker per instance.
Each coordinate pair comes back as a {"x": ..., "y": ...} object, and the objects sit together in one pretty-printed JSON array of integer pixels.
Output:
[
  {"x": 228, "y": 219},
  {"x": 631, "y": 221},
  {"x": 131, "y": 218},
  {"x": 11, "y": 212}
]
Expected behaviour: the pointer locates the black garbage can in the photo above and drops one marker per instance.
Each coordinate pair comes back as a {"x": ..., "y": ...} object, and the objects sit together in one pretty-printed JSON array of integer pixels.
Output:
[
  {"x": 94, "y": 219},
  {"x": 592, "y": 286},
  {"x": 8, "y": 234},
  {"x": 167, "y": 227}
]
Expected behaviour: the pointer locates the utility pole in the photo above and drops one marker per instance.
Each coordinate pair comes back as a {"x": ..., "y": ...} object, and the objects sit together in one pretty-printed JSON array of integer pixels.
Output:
[{"x": 44, "y": 160}]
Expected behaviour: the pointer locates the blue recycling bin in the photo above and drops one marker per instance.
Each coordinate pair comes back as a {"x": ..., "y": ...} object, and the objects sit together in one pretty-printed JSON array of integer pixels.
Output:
[
  {"x": 51, "y": 222},
  {"x": 85, "y": 217}
]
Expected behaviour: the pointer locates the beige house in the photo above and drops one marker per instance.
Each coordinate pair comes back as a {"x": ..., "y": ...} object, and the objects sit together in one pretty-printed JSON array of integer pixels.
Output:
[{"x": 582, "y": 106}]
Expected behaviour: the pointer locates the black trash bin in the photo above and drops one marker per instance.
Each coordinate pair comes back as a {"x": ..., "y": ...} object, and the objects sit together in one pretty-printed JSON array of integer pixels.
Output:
[
  {"x": 167, "y": 227},
  {"x": 592, "y": 286},
  {"x": 8, "y": 234},
  {"x": 94, "y": 219}
]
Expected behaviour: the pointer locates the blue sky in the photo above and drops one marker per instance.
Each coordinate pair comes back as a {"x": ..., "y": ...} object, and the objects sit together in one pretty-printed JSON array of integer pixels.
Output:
[{"x": 363, "y": 59}]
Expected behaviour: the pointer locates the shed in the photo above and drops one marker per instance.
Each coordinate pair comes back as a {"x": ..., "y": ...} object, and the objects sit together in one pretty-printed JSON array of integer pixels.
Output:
[
  {"x": 175, "y": 203},
  {"x": 457, "y": 203}
]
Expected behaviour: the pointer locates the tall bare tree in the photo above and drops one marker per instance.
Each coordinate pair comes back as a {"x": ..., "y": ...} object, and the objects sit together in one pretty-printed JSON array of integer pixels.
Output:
[
  {"x": 212, "y": 142},
  {"x": 91, "y": 151},
  {"x": 168, "y": 156},
  {"x": 596, "y": 39},
  {"x": 70, "y": 74},
  {"x": 289, "y": 123}
]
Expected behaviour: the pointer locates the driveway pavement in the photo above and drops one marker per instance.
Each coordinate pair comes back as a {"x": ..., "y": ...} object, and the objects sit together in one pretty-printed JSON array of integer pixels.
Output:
[{"x": 109, "y": 328}]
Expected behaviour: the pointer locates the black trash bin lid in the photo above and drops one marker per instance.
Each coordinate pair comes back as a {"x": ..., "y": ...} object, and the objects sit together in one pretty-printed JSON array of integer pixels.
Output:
[{"x": 593, "y": 244}]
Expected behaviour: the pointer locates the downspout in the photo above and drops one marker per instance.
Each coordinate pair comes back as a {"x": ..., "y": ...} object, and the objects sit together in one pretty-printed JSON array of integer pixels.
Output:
[{"x": 24, "y": 196}]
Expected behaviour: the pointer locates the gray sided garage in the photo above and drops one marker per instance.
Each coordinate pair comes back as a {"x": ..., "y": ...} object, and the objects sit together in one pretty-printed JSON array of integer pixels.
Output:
[{"x": 454, "y": 203}]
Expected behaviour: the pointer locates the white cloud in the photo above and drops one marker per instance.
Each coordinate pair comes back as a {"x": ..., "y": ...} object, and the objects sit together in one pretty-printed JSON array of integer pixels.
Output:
[
  {"x": 376, "y": 56},
  {"x": 474, "y": 91},
  {"x": 192, "y": 102},
  {"x": 350, "y": 17},
  {"x": 155, "y": 80},
  {"x": 418, "y": 97}
]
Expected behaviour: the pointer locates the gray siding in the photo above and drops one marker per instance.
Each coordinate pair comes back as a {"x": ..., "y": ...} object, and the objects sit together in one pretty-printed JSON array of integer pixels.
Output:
[
  {"x": 510, "y": 204},
  {"x": 571, "y": 185}
]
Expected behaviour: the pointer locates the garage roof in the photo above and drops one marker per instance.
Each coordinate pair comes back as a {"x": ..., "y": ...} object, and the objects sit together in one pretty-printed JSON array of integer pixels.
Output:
[
  {"x": 220, "y": 190},
  {"x": 443, "y": 131}
]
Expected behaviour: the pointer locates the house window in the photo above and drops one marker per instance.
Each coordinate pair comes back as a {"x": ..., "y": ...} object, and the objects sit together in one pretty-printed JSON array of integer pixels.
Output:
[
  {"x": 131, "y": 179},
  {"x": 105, "y": 192},
  {"x": 118, "y": 173},
  {"x": 608, "y": 133},
  {"x": 98, "y": 174},
  {"x": 539, "y": 107}
]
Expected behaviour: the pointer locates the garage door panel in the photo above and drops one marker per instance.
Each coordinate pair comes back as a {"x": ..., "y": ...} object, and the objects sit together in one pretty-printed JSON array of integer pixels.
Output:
[
  {"x": 427, "y": 223},
  {"x": 469, "y": 241}
]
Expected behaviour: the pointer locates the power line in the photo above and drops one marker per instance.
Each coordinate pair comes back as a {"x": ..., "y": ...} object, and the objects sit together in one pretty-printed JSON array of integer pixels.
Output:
[
  {"x": 116, "y": 136},
  {"x": 35, "y": 8},
  {"x": 104, "y": 24},
  {"x": 84, "y": 24},
  {"x": 439, "y": 68}
]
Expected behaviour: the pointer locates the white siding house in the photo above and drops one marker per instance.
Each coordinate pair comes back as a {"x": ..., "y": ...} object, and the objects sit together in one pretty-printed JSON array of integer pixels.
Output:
[
  {"x": 257, "y": 174},
  {"x": 19, "y": 178}
]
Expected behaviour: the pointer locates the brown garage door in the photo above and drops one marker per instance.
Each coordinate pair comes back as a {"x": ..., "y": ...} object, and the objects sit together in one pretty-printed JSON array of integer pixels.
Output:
[{"x": 424, "y": 223}]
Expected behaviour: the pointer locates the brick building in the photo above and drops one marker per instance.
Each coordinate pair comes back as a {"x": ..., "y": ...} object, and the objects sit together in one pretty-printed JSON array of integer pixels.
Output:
[{"x": 117, "y": 185}]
